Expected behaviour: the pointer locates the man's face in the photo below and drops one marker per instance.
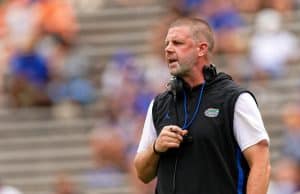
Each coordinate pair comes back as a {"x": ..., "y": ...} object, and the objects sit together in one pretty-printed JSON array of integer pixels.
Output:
[{"x": 180, "y": 51}]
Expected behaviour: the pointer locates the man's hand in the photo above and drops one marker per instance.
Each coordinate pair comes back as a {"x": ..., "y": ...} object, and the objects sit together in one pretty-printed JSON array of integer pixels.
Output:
[{"x": 170, "y": 137}]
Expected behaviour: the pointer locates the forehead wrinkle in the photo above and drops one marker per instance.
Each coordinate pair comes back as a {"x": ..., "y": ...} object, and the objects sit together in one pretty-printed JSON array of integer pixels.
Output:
[{"x": 178, "y": 33}]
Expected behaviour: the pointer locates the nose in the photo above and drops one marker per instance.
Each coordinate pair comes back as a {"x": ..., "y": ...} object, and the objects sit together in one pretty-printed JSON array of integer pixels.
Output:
[{"x": 169, "y": 48}]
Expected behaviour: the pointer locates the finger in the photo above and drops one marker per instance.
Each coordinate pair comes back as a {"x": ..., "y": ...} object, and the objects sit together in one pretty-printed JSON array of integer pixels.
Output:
[
  {"x": 174, "y": 128},
  {"x": 173, "y": 145},
  {"x": 173, "y": 135},
  {"x": 184, "y": 132},
  {"x": 167, "y": 139},
  {"x": 171, "y": 140},
  {"x": 164, "y": 143},
  {"x": 178, "y": 130}
]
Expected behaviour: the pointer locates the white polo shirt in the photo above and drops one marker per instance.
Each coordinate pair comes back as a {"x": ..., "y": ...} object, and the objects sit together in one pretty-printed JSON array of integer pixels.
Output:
[{"x": 248, "y": 125}]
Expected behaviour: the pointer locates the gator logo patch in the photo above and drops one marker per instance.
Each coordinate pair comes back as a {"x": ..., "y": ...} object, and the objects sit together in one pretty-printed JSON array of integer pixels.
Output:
[{"x": 211, "y": 112}]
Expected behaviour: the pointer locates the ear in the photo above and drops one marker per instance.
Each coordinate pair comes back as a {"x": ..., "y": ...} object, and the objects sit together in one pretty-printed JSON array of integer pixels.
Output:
[{"x": 202, "y": 49}]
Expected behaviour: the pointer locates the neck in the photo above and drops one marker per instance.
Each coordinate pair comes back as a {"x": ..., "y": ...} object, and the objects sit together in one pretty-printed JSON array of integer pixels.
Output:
[
  {"x": 193, "y": 81},
  {"x": 195, "y": 77}
]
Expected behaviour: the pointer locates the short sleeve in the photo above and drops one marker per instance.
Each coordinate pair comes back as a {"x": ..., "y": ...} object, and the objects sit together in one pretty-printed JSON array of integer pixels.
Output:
[
  {"x": 149, "y": 132},
  {"x": 248, "y": 124}
]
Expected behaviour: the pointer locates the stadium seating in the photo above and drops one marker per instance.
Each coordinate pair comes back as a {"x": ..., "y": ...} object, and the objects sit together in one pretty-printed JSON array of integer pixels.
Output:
[{"x": 35, "y": 145}]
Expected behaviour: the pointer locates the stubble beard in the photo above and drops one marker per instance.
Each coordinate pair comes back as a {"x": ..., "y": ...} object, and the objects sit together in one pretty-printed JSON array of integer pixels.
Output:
[{"x": 184, "y": 68}]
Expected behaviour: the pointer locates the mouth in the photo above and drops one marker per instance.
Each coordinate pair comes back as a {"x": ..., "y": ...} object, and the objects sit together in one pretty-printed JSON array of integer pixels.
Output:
[{"x": 170, "y": 61}]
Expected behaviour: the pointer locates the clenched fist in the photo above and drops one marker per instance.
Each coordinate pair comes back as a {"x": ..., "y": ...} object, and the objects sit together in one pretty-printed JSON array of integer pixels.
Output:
[{"x": 170, "y": 137}]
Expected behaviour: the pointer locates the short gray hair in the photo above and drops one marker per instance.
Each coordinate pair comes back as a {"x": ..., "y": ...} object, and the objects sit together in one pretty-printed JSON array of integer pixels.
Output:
[{"x": 198, "y": 27}]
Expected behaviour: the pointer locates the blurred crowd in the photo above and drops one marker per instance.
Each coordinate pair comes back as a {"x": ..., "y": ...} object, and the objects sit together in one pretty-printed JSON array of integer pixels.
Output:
[
  {"x": 41, "y": 65},
  {"x": 286, "y": 170},
  {"x": 234, "y": 37}
]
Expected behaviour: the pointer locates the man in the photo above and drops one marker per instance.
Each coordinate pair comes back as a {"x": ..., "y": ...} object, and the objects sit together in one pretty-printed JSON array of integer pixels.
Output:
[{"x": 207, "y": 137}]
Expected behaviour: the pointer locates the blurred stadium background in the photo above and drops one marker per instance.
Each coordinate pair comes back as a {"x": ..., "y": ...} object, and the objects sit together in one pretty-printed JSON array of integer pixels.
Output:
[{"x": 76, "y": 77}]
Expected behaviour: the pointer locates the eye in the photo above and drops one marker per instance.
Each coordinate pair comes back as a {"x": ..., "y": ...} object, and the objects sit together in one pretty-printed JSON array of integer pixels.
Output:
[{"x": 177, "y": 42}]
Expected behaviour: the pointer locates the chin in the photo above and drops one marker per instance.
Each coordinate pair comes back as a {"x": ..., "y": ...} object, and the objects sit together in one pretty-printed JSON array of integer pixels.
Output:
[{"x": 173, "y": 73}]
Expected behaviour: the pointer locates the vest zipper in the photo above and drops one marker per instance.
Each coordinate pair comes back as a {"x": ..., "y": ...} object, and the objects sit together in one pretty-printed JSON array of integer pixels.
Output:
[{"x": 174, "y": 175}]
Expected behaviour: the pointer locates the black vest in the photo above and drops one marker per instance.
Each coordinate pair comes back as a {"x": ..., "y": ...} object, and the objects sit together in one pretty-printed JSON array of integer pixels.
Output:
[{"x": 211, "y": 162}]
